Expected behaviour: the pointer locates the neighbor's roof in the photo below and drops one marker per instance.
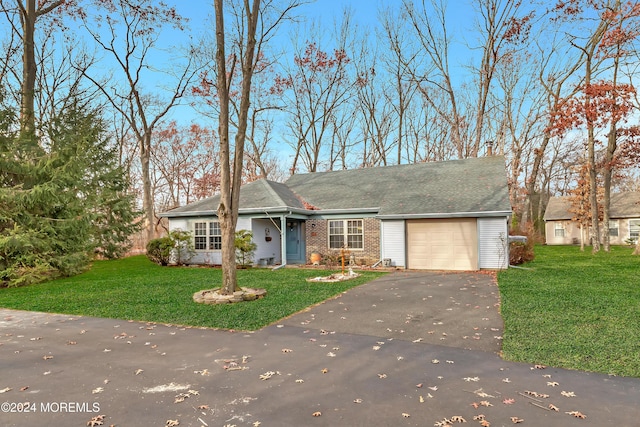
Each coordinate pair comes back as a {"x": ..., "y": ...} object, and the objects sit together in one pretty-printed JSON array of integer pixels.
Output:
[
  {"x": 623, "y": 205},
  {"x": 471, "y": 186}
]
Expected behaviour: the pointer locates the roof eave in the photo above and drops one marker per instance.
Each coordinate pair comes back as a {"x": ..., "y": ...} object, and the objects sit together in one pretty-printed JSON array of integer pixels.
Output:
[{"x": 440, "y": 215}]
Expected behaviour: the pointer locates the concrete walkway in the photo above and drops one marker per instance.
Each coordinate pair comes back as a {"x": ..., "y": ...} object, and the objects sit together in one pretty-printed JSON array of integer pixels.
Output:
[{"x": 408, "y": 349}]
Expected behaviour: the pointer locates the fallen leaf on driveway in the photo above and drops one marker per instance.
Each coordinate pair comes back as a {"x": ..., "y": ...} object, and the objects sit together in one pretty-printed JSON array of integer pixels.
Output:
[
  {"x": 405, "y": 415},
  {"x": 6, "y": 389},
  {"x": 577, "y": 414},
  {"x": 317, "y": 414},
  {"x": 509, "y": 401},
  {"x": 553, "y": 407},
  {"x": 96, "y": 421},
  {"x": 139, "y": 371},
  {"x": 516, "y": 420},
  {"x": 172, "y": 423},
  {"x": 568, "y": 393}
]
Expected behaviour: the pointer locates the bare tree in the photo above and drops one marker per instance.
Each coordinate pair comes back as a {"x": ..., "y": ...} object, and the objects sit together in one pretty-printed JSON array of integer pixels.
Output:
[
  {"x": 132, "y": 32},
  {"x": 251, "y": 19},
  {"x": 30, "y": 13},
  {"x": 316, "y": 88}
]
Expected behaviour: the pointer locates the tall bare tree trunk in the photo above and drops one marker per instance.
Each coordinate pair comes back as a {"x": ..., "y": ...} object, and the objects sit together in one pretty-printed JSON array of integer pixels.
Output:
[
  {"x": 231, "y": 179},
  {"x": 29, "y": 13}
]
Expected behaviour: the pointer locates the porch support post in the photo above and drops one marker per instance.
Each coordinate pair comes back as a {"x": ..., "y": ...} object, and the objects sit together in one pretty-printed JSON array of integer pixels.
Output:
[{"x": 283, "y": 238}]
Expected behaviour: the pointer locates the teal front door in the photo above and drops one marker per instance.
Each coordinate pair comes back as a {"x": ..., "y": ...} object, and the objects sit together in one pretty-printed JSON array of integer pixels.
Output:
[{"x": 294, "y": 242}]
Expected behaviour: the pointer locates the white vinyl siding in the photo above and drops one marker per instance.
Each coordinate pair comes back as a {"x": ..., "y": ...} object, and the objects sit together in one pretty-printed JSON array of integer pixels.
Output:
[
  {"x": 393, "y": 242},
  {"x": 493, "y": 243}
]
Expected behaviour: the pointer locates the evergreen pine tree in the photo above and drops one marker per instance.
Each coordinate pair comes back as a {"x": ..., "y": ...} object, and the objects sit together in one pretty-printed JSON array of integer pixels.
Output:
[{"x": 62, "y": 198}]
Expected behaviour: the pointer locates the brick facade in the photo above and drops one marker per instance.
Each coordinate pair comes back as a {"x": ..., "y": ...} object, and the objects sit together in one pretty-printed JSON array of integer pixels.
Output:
[{"x": 317, "y": 240}]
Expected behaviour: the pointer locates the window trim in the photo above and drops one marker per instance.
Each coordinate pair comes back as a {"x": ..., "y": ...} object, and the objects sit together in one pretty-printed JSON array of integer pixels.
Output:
[
  {"x": 559, "y": 226},
  {"x": 613, "y": 222},
  {"x": 209, "y": 237},
  {"x": 345, "y": 232},
  {"x": 637, "y": 221}
]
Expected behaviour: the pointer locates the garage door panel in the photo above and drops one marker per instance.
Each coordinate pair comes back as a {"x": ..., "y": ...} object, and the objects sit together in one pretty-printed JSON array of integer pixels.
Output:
[{"x": 442, "y": 244}]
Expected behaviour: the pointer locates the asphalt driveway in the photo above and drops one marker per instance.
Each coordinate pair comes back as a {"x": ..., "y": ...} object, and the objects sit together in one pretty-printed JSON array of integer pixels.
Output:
[{"x": 408, "y": 349}]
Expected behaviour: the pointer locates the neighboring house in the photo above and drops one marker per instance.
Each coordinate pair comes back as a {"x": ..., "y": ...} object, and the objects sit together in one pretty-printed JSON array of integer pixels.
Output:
[
  {"x": 624, "y": 225},
  {"x": 450, "y": 215}
]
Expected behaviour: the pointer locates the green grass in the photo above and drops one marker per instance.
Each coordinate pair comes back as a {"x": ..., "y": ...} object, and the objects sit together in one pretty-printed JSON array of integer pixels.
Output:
[
  {"x": 575, "y": 310},
  {"x": 134, "y": 288}
]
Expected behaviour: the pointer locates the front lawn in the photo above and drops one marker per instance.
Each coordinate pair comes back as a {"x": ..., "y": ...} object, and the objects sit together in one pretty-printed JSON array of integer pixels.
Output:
[
  {"x": 134, "y": 288},
  {"x": 575, "y": 310}
]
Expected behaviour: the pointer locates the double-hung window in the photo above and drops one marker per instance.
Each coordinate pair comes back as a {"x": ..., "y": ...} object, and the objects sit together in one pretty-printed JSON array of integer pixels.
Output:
[
  {"x": 634, "y": 229},
  {"x": 559, "y": 229},
  {"x": 207, "y": 236},
  {"x": 613, "y": 228},
  {"x": 347, "y": 232}
]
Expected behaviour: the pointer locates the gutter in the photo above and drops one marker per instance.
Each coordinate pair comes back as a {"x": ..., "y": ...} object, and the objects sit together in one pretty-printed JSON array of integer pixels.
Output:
[
  {"x": 272, "y": 210},
  {"x": 441, "y": 215}
]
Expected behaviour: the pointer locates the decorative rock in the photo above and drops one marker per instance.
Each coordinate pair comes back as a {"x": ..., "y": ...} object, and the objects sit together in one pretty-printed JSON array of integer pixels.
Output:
[{"x": 213, "y": 296}]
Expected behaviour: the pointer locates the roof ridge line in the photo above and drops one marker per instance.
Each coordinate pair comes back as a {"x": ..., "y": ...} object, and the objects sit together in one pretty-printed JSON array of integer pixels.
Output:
[{"x": 273, "y": 192}]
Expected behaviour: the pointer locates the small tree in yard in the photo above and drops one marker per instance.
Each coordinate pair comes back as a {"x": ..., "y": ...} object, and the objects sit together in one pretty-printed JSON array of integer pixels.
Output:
[{"x": 245, "y": 247}]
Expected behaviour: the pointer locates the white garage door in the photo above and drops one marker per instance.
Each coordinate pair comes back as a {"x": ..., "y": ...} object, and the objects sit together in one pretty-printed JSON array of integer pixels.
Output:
[{"x": 442, "y": 244}]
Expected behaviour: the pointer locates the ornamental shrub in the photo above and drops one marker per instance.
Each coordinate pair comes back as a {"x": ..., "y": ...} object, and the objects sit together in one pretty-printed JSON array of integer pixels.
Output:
[{"x": 159, "y": 250}]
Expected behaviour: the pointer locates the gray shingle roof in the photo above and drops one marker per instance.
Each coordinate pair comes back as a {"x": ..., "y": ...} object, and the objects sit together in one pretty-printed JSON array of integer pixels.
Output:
[
  {"x": 448, "y": 188},
  {"x": 470, "y": 185},
  {"x": 623, "y": 205},
  {"x": 255, "y": 195}
]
